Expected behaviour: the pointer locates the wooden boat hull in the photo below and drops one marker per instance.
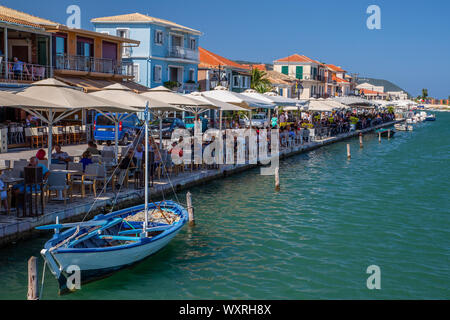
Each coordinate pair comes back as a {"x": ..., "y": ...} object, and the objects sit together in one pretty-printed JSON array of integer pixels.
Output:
[
  {"x": 385, "y": 132},
  {"x": 95, "y": 263}
]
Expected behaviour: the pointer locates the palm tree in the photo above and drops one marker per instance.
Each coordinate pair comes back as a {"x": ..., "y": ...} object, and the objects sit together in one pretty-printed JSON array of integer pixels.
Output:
[
  {"x": 424, "y": 93},
  {"x": 259, "y": 82}
]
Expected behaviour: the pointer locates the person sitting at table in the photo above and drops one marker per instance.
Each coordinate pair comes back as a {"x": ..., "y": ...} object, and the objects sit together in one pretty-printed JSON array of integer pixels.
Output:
[
  {"x": 40, "y": 155},
  {"x": 109, "y": 146},
  {"x": 3, "y": 195},
  {"x": 59, "y": 156},
  {"x": 33, "y": 163},
  {"x": 86, "y": 159},
  {"x": 92, "y": 148},
  {"x": 127, "y": 163}
]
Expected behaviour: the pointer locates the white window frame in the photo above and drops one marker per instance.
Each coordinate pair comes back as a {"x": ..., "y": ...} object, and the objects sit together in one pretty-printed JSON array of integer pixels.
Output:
[
  {"x": 137, "y": 75},
  {"x": 195, "y": 43},
  {"x": 193, "y": 74},
  {"x": 155, "y": 67},
  {"x": 126, "y": 51},
  {"x": 235, "y": 80},
  {"x": 156, "y": 37}
]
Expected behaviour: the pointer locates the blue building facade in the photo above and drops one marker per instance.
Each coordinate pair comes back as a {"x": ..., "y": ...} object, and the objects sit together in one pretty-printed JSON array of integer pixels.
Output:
[{"x": 167, "y": 52}]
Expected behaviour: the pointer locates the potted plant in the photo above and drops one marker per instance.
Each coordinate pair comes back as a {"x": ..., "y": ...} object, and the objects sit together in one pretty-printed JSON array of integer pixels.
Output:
[{"x": 172, "y": 85}]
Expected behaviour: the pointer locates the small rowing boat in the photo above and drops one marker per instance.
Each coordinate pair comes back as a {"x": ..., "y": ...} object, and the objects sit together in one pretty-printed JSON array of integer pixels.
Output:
[
  {"x": 107, "y": 243},
  {"x": 386, "y": 132},
  {"x": 111, "y": 242}
]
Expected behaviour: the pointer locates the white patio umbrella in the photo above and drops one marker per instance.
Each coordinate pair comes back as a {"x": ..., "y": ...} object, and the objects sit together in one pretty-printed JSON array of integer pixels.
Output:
[
  {"x": 175, "y": 99},
  {"x": 58, "y": 93},
  {"x": 124, "y": 95},
  {"x": 245, "y": 101},
  {"x": 222, "y": 106}
]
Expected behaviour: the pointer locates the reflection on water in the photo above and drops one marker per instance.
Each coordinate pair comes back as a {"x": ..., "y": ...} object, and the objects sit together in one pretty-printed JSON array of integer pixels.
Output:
[{"x": 333, "y": 218}]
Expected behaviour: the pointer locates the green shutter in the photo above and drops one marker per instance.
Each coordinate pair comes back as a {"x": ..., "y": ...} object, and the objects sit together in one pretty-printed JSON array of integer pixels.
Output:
[
  {"x": 285, "y": 70},
  {"x": 299, "y": 72}
]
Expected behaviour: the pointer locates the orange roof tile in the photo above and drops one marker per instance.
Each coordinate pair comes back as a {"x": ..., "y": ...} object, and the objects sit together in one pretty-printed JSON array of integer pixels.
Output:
[
  {"x": 24, "y": 17},
  {"x": 366, "y": 91},
  {"x": 297, "y": 58},
  {"x": 212, "y": 60},
  {"x": 335, "y": 68},
  {"x": 139, "y": 18},
  {"x": 334, "y": 78}
]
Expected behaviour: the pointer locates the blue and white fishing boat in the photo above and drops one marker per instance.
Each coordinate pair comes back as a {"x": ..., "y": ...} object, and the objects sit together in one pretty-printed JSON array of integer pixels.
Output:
[{"x": 110, "y": 242}]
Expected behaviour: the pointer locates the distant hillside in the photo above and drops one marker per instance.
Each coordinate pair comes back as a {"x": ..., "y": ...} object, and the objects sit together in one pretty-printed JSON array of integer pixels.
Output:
[{"x": 388, "y": 86}]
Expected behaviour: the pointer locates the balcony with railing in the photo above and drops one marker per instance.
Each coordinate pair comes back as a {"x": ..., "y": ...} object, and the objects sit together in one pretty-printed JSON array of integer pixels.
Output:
[
  {"x": 94, "y": 65},
  {"x": 310, "y": 77},
  {"x": 183, "y": 53},
  {"x": 24, "y": 72}
]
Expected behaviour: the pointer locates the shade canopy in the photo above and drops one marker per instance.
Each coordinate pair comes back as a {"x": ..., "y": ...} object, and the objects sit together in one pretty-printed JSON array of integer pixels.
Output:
[
  {"x": 8, "y": 99},
  {"x": 353, "y": 101},
  {"x": 59, "y": 93},
  {"x": 283, "y": 101},
  {"x": 223, "y": 106},
  {"x": 164, "y": 94},
  {"x": 124, "y": 95},
  {"x": 224, "y": 95}
]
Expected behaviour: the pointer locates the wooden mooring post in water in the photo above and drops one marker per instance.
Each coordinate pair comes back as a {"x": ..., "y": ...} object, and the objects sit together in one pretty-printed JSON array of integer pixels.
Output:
[
  {"x": 379, "y": 136},
  {"x": 277, "y": 179},
  {"x": 389, "y": 134},
  {"x": 33, "y": 289},
  {"x": 361, "y": 141},
  {"x": 349, "y": 155},
  {"x": 190, "y": 209}
]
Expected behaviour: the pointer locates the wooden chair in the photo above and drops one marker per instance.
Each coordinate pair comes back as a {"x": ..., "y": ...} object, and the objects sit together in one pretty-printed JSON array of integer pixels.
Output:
[
  {"x": 89, "y": 178},
  {"x": 58, "y": 136}
]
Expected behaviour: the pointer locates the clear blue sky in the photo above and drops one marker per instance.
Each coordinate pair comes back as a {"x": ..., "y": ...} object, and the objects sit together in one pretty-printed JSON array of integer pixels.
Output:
[{"x": 412, "y": 49}]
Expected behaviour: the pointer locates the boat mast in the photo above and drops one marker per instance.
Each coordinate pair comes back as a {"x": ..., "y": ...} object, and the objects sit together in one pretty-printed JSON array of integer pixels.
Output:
[{"x": 144, "y": 229}]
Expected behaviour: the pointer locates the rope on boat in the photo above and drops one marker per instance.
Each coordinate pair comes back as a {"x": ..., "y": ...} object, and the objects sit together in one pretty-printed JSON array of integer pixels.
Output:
[
  {"x": 106, "y": 184},
  {"x": 138, "y": 137},
  {"x": 43, "y": 278}
]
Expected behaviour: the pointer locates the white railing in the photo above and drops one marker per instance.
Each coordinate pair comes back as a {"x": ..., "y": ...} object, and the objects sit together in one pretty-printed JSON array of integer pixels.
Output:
[
  {"x": 183, "y": 53},
  {"x": 89, "y": 64}
]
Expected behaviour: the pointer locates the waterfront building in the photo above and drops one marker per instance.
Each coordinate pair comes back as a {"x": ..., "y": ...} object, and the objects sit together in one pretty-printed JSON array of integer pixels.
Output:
[
  {"x": 215, "y": 70},
  {"x": 34, "y": 48},
  {"x": 168, "y": 52},
  {"x": 310, "y": 73}
]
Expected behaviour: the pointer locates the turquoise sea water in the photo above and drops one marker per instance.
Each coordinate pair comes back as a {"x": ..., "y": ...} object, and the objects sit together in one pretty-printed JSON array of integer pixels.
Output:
[{"x": 389, "y": 206}]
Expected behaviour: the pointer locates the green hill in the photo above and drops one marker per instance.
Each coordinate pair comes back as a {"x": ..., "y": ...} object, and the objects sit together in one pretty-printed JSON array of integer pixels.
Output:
[{"x": 388, "y": 86}]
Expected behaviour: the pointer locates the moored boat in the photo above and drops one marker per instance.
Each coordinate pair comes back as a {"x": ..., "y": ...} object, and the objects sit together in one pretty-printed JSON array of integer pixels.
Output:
[
  {"x": 111, "y": 242},
  {"x": 430, "y": 117},
  {"x": 107, "y": 243},
  {"x": 385, "y": 132},
  {"x": 403, "y": 127}
]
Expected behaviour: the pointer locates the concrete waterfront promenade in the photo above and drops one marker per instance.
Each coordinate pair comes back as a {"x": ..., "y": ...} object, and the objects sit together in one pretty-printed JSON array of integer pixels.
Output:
[{"x": 13, "y": 229}]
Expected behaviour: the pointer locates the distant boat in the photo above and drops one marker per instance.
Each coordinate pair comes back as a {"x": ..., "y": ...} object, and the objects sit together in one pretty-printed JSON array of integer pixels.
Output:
[
  {"x": 430, "y": 117},
  {"x": 403, "y": 127},
  {"x": 385, "y": 132}
]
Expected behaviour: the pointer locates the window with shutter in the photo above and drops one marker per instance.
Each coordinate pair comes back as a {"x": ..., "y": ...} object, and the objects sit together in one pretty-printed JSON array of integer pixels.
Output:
[
  {"x": 285, "y": 70},
  {"x": 299, "y": 72}
]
